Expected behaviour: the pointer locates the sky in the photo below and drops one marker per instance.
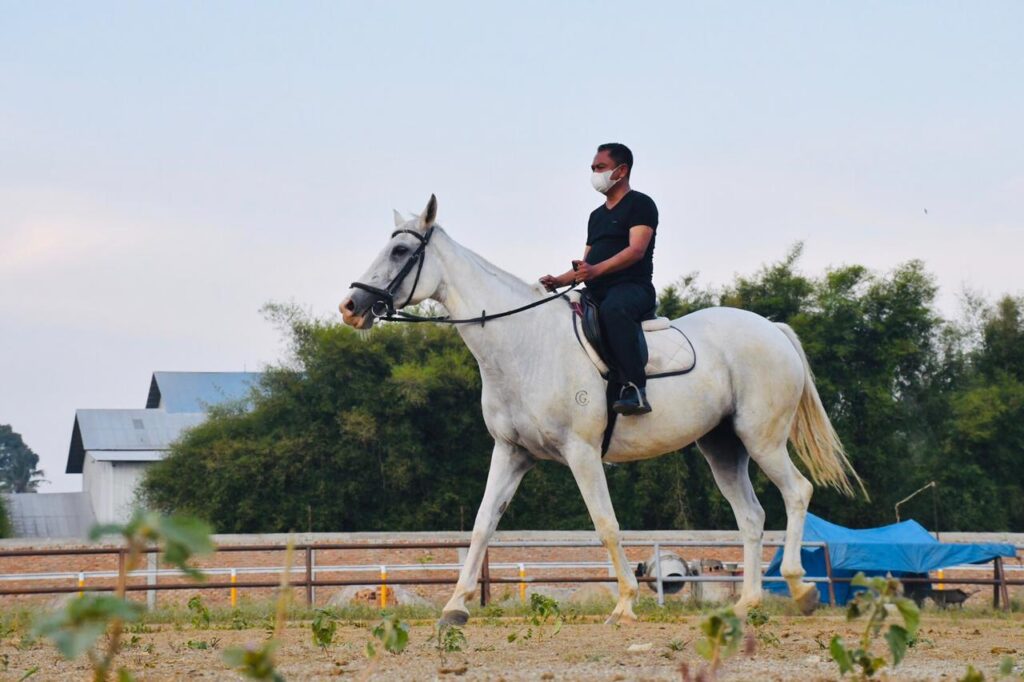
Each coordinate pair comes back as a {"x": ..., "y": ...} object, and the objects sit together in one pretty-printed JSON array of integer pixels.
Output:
[{"x": 168, "y": 168}]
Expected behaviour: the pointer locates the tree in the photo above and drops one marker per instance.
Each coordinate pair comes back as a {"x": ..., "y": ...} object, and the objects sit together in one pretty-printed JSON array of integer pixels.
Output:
[
  {"x": 383, "y": 431},
  {"x": 18, "y": 464}
]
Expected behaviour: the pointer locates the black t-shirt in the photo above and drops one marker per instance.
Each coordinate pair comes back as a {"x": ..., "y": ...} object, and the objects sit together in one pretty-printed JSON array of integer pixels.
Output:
[{"x": 608, "y": 234}]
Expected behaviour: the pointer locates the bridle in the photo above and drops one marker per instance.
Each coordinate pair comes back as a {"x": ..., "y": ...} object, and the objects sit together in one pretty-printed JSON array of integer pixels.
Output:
[
  {"x": 384, "y": 307},
  {"x": 387, "y": 294}
]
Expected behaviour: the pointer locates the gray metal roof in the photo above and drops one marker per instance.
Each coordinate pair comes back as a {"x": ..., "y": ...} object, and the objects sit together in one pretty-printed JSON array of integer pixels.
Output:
[
  {"x": 197, "y": 391},
  {"x": 49, "y": 515},
  {"x": 125, "y": 430}
]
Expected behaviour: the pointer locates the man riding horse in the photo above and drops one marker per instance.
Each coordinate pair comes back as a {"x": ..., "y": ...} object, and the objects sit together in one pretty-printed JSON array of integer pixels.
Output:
[{"x": 617, "y": 267}]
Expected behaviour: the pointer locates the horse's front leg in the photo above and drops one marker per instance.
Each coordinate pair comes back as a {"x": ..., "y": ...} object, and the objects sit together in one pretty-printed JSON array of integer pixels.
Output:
[
  {"x": 508, "y": 464},
  {"x": 585, "y": 462}
]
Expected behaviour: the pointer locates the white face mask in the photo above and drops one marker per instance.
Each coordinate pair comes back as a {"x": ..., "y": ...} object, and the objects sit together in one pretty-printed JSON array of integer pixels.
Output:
[{"x": 603, "y": 182}]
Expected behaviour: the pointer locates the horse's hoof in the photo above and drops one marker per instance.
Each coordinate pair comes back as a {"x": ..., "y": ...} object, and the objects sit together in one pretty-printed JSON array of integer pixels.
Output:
[
  {"x": 456, "y": 618},
  {"x": 806, "y": 598},
  {"x": 625, "y": 618}
]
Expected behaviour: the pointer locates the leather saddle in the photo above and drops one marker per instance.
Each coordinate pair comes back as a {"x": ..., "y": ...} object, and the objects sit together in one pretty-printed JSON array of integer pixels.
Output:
[{"x": 666, "y": 349}]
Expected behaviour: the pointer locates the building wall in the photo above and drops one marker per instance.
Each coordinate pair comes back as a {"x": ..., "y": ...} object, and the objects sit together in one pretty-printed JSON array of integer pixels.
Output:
[{"x": 111, "y": 487}]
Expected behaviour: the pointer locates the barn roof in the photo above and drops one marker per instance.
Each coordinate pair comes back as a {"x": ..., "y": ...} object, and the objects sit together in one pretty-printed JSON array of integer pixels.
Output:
[
  {"x": 197, "y": 391},
  {"x": 125, "y": 432},
  {"x": 49, "y": 515}
]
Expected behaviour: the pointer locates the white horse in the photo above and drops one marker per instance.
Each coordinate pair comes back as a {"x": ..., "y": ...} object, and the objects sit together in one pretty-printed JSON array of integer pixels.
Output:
[{"x": 750, "y": 392}]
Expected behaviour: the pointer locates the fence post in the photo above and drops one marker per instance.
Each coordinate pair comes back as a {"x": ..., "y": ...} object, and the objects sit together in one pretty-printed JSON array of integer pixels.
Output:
[
  {"x": 383, "y": 587},
  {"x": 657, "y": 574},
  {"x": 997, "y": 566},
  {"x": 81, "y": 583},
  {"x": 828, "y": 574},
  {"x": 234, "y": 590},
  {"x": 485, "y": 579},
  {"x": 522, "y": 583},
  {"x": 151, "y": 568},
  {"x": 309, "y": 575}
]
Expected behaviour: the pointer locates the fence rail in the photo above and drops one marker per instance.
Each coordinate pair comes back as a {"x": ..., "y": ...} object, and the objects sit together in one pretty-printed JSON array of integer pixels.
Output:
[{"x": 309, "y": 580}]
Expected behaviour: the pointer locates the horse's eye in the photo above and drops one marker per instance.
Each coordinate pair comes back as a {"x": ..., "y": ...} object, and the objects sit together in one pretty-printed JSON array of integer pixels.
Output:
[{"x": 399, "y": 251}]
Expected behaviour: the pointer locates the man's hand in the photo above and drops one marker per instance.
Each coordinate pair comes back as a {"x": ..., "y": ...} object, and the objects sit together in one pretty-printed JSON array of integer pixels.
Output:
[
  {"x": 584, "y": 271},
  {"x": 552, "y": 282}
]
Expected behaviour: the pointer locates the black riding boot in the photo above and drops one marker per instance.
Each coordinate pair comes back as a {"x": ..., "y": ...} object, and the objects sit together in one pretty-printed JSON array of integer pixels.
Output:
[{"x": 632, "y": 400}]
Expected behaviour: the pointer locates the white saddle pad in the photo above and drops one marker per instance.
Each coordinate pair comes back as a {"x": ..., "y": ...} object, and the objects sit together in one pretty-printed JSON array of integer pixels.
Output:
[{"x": 668, "y": 349}]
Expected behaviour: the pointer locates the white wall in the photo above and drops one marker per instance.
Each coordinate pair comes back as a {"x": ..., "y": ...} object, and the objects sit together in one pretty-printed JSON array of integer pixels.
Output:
[{"x": 111, "y": 487}]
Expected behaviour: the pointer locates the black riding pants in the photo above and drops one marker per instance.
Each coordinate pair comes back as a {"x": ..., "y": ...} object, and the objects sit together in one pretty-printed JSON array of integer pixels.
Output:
[{"x": 622, "y": 307}]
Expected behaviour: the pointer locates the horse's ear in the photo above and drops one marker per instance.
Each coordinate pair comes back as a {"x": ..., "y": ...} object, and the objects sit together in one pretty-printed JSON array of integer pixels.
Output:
[
  {"x": 399, "y": 220},
  {"x": 429, "y": 214}
]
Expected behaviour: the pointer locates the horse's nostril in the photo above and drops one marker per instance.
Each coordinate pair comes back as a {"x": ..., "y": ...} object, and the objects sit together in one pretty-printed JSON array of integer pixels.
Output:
[{"x": 349, "y": 306}]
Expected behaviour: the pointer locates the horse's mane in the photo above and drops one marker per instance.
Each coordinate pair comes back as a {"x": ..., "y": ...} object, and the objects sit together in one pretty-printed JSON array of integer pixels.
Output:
[{"x": 514, "y": 283}]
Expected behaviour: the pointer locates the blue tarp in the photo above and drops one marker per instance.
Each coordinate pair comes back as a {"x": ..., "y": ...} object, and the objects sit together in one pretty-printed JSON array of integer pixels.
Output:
[{"x": 902, "y": 549}]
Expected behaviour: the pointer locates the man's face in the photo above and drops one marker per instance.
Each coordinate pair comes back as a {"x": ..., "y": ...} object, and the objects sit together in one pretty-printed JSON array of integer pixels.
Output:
[{"x": 603, "y": 162}]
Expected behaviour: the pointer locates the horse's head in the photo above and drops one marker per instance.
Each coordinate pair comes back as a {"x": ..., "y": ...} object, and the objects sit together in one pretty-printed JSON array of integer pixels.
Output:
[{"x": 400, "y": 275}]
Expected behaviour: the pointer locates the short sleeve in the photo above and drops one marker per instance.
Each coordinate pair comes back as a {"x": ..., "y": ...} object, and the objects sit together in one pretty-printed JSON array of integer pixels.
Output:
[{"x": 644, "y": 212}]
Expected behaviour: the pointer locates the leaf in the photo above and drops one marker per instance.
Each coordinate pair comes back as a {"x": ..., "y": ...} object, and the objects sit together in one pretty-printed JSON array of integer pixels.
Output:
[
  {"x": 911, "y": 614},
  {"x": 840, "y": 655},
  {"x": 704, "y": 649},
  {"x": 897, "y": 637},
  {"x": 1006, "y": 666}
]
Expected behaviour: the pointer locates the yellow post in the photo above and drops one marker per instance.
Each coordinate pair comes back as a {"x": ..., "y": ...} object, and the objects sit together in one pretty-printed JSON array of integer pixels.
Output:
[
  {"x": 522, "y": 583},
  {"x": 383, "y": 587},
  {"x": 939, "y": 585},
  {"x": 234, "y": 590},
  {"x": 81, "y": 584}
]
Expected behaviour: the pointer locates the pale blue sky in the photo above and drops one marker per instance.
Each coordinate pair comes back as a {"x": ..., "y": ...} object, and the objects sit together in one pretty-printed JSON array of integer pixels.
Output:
[{"x": 165, "y": 168}]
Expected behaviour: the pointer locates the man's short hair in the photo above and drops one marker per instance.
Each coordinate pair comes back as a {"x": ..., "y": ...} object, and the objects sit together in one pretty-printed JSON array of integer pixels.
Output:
[{"x": 620, "y": 154}]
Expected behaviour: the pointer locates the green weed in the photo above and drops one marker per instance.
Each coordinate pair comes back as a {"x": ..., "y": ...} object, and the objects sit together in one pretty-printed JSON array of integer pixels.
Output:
[{"x": 880, "y": 598}]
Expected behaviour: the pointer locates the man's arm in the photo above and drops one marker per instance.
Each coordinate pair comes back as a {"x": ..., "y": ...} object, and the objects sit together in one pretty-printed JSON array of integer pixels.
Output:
[
  {"x": 568, "y": 277},
  {"x": 639, "y": 240}
]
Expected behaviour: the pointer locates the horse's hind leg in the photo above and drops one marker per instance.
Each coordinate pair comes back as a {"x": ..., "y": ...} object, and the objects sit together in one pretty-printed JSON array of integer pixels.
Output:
[
  {"x": 796, "y": 493},
  {"x": 729, "y": 463}
]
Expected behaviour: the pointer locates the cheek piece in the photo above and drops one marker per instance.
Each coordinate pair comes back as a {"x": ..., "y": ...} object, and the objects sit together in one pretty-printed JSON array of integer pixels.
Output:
[{"x": 384, "y": 305}]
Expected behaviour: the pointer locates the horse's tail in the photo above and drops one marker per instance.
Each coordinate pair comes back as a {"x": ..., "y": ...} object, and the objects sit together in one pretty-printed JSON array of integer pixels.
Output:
[{"x": 814, "y": 439}]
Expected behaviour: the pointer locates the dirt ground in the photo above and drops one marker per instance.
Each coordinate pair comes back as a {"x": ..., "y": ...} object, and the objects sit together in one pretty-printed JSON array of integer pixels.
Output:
[{"x": 790, "y": 648}]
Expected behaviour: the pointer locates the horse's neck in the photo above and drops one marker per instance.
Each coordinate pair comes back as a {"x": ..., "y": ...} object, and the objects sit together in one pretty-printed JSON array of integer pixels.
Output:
[{"x": 472, "y": 285}]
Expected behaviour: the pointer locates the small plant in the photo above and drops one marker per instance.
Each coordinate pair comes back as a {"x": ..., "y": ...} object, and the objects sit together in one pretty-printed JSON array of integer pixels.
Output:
[
  {"x": 450, "y": 640},
  {"x": 759, "y": 618},
  {"x": 392, "y": 634},
  {"x": 324, "y": 626},
  {"x": 202, "y": 644},
  {"x": 542, "y": 611},
  {"x": 255, "y": 662},
  {"x": 76, "y": 628},
  {"x": 880, "y": 598},
  {"x": 200, "y": 615},
  {"x": 723, "y": 634},
  {"x": 676, "y": 645}
]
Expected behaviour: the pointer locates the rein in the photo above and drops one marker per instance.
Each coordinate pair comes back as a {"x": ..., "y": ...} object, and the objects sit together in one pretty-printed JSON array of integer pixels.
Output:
[{"x": 384, "y": 307}]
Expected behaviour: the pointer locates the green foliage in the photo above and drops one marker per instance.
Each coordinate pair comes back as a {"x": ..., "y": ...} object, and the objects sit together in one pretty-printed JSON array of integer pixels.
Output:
[
  {"x": 200, "y": 615},
  {"x": 450, "y": 639},
  {"x": 723, "y": 634},
  {"x": 254, "y": 662},
  {"x": 75, "y": 629},
  {"x": 180, "y": 537},
  {"x": 543, "y": 611},
  {"x": 345, "y": 419},
  {"x": 391, "y": 633},
  {"x": 19, "y": 472},
  {"x": 324, "y": 626},
  {"x": 880, "y": 598}
]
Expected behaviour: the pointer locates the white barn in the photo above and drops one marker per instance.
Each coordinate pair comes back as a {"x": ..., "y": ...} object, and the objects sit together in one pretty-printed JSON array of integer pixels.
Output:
[{"x": 112, "y": 448}]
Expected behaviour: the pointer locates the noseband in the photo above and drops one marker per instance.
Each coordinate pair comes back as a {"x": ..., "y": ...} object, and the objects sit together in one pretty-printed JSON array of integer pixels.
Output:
[{"x": 384, "y": 306}]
